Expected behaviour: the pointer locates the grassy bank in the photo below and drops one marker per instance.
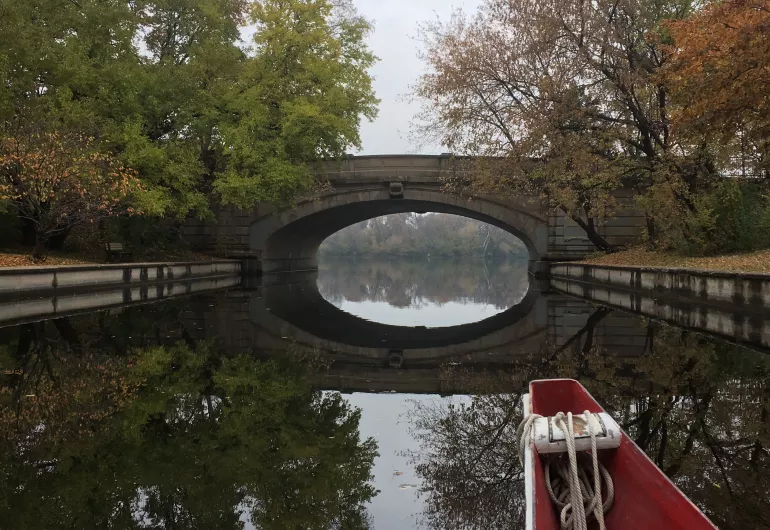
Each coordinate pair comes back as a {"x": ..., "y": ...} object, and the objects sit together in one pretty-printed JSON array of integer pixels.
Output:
[{"x": 639, "y": 257}]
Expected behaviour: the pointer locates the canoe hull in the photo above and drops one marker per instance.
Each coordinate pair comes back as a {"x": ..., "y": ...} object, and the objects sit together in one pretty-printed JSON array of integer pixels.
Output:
[{"x": 644, "y": 497}]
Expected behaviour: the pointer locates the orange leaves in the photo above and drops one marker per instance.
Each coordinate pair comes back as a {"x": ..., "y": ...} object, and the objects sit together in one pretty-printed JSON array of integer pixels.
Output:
[
  {"x": 720, "y": 67},
  {"x": 67, "y": 174},
  {"x": 640, "y": 257}
]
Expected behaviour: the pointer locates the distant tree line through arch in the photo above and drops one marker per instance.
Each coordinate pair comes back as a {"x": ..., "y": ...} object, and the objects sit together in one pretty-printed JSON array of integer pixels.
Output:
[{"x": 412, "y": 234}]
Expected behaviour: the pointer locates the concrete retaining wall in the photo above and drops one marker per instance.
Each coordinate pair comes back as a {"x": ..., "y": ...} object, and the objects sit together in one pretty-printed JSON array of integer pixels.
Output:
[
  {"x": 20, "y": 310},
  {"x": 749, "y": 291},
  {"x": 733, "y": 306},
  {"x": 23, "y": 280},
  {"x": 750, "y": 329}
]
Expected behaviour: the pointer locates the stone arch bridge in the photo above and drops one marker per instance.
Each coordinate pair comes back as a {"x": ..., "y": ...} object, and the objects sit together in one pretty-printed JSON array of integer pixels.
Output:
[{"x": 363, "y": 187}]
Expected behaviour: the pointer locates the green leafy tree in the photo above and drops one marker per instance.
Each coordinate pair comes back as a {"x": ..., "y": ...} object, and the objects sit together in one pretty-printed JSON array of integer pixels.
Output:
[
  {"x": 168, "y": 89},
  {"x": 191, "y": 64},
  {"x": 73, "y": 61},
  {"x": 300, "y": 98}
]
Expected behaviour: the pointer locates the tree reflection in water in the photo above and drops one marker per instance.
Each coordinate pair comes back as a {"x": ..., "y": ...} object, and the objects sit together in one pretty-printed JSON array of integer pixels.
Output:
[
  {"x": 149, "y": 418},
  {"x": 172, "y": 437},
  {"x": 403, "y": 282},
  {"x": 697, "y": 406}
]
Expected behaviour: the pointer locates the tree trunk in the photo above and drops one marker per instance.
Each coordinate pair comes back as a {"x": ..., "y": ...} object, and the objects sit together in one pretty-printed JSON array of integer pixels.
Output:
[
  {"x": 68, "y": 333},
  {"x": 593, "y": 320},
  {"x": 56, "y": 242},
  {"x": 40, "y": 251},
  {"x": 30, "y": 236},
  {"x": 650, "y": 222},
  {"x": 26, "y": 336},
  {"x": 27, "y": 233},
  {"x": 593, "y": 235}
]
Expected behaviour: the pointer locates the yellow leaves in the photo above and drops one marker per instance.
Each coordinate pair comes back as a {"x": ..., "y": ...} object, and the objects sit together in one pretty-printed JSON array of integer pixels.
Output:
[
  {"x": 65, "y": 172},
  {"x": 639, "y": 257},
  {"x": 720, "y": 66}
]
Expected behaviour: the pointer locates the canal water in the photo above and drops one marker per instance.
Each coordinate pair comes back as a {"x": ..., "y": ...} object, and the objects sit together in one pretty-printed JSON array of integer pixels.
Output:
[{"x": 371, "y": 394}]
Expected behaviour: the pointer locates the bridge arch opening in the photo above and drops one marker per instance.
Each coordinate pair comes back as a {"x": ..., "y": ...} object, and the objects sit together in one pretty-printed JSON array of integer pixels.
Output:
[
  {"x": 423, "y": 235},
  {"x": 289, "y": 240}
]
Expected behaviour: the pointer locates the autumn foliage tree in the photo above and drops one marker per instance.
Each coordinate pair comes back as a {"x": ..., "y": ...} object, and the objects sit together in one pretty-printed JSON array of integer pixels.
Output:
[
  {"x": 58, "y": 383},
  {"x": 719, "y": 76},
  {"x": 177, "y": 91},
  {"x": 56, "y": 181},
  {"x": 564, "y": 98}
]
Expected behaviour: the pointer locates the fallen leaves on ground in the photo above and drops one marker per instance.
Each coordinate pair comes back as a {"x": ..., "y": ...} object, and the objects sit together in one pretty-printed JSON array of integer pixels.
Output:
[
  {"x": 640, "y": 257},
  {"x": 23, "y": 258}
]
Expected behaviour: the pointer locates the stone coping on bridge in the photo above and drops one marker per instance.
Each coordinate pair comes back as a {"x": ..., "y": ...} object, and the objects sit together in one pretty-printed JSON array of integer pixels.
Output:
[
  {"x": 18, "y": 281},
  {"x": 399, "y": 155},
  {"x": 748, "y": 290}
]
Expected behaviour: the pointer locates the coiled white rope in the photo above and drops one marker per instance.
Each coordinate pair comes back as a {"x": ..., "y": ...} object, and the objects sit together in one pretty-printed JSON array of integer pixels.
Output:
[{"x": 576, "y": 487}]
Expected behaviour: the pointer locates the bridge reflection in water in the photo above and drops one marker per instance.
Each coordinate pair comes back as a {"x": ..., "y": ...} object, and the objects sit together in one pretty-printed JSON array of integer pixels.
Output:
[
  {"x": 279, "y": 312},
  {"x": 285, "y": 310}
]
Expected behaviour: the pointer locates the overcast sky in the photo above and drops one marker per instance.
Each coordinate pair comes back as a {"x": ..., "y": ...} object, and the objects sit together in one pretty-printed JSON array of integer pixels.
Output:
[{"x": 394, "y": 41}]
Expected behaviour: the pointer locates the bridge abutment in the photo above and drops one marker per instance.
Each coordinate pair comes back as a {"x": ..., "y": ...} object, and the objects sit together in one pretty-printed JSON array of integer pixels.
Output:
[{"x": 539, "y": 268}]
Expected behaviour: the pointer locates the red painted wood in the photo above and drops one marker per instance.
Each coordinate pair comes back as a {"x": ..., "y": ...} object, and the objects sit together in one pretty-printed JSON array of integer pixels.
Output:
[{"x": 644, "y": 497}]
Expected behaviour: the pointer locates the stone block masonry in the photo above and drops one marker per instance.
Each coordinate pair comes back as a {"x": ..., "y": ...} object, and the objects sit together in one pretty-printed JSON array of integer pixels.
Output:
[{"x": 283, "y": 239}]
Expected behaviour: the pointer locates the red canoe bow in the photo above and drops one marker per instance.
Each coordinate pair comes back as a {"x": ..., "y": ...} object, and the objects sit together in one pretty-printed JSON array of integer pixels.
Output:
[{"x": 644, "y": 497}]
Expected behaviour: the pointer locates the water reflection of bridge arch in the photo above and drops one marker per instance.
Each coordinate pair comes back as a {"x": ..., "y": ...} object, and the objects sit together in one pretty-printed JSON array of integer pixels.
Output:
[
  {"x": 365, "y": 356},
  {"x": 292, "y": 308}
]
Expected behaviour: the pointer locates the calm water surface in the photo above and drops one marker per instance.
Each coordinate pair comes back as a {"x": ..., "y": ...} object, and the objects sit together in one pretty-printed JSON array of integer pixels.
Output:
[{"x": 373, "y": 394}]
